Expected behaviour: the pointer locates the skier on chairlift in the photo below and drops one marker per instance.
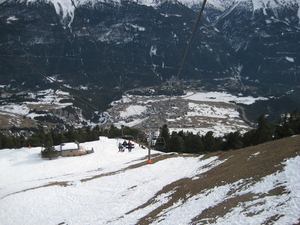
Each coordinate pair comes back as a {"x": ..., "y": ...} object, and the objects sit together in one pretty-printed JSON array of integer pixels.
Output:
[
  {"x": 130, "y": 146},
  {"x": 120, "y": 146}
]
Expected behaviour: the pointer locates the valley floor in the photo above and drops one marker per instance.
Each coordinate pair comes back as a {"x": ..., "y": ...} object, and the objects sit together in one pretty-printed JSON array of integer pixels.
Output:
[{"x": 197, "y": 112}]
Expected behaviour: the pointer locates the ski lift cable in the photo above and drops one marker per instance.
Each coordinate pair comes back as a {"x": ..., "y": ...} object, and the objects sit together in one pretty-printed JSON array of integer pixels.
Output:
[
  {"x": 184, "y": 59},
  {"x": 187, "y": 50},
  {"x": 182, "y": 63},
  {"x": 192, "y": 38},
  {"x": 190, "y": 42}
]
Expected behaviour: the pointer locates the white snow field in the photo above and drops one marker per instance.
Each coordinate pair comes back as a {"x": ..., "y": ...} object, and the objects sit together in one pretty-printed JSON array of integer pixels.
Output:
[{"x": 108, "y": 187}]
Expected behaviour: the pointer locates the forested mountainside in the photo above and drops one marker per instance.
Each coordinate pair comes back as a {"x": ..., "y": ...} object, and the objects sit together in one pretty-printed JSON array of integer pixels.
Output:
[{"x": 105, "y": 47}]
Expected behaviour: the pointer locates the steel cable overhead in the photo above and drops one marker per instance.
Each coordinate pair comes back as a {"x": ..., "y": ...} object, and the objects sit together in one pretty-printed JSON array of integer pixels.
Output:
[
  {"x": 189, "y": 45},
  {"x": 104, "y": 59},
  {"x": 182, "y": 63},
  {"x": 192, "y": 38}
]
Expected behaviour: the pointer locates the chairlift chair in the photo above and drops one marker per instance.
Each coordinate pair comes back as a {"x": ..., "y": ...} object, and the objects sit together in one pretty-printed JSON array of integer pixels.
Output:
[
  {"x": 158, "y": 143},
  {"x": 127, "y": 138}
]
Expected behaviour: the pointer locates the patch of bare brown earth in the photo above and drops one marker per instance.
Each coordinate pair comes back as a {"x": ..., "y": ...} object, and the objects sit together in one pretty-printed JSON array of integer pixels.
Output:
[
  {"x": 250, "y": 164},
  {"x": 243, "y": 164}
]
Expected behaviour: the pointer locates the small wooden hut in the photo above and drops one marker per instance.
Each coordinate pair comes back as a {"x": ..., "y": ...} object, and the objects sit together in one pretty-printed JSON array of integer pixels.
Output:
[{"x": 71, "y": 149}]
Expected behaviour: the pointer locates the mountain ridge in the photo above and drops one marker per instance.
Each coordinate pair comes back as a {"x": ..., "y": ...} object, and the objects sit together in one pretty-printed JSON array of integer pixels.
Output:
[{"x": 236, "y": 48}]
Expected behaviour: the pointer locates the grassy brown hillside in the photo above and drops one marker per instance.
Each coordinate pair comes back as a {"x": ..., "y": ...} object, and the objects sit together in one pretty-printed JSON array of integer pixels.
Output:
[{"x": 241, "y": 168}]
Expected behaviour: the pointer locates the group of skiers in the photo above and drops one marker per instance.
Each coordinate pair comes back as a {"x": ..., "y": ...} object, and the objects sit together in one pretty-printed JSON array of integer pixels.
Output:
[{"x": 122, "y": 146}]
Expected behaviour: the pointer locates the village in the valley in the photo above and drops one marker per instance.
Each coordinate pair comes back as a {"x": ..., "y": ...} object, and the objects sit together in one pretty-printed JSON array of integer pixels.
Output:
[{"x": 179, "y": 113}]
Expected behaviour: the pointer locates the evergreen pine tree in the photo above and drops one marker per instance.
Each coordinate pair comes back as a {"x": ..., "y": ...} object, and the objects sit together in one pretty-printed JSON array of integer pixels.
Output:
[
  {"x": 284, "y": 128},
  {"x": 263, "y": 132},
  {"x": 248, "y": 138},
  {"x": 70, "y": 135},
  {"x": 49, "y": 152},
  {"x": 164, "y": 133},
  {"x": 294, "y": 122},
  {"x": 176, "y": 143},
  {"x": 113, "y": 132},
  {"x": 209, "y": 142},
  {"x": 6, "y": 142},
  {"x": 193, "y": 143},
  {"x": 233, "y": 141}
]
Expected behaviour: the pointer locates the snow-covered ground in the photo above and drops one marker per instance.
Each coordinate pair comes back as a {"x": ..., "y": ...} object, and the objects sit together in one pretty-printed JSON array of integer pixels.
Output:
[
  {"x": 215, "y": 96},
  {"x": 32, "y": 105},
  {"x": 100, "y": 188},
  {"x": 40, "y": 100}
]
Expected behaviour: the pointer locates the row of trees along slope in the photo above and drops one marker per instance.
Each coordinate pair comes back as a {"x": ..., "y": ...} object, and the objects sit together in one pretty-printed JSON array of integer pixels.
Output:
[
  {"x": 182, "y": 142},
  {"x": 187, "y": 142}
]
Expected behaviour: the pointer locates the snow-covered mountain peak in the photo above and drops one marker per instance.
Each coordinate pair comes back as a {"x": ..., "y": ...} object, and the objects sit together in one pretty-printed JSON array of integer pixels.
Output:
[
  {"x": 65, "y": 9},
  {"x": 274, "y": 4}
]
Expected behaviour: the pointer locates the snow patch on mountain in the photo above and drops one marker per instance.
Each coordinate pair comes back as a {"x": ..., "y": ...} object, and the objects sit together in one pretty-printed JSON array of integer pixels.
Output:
[
  {"x": 10, "y": 19},
  {"x": 137, "y": 27},
  {"x": 133, "y": 110},
  {"x": 153, "y": 50},
  {"x": 290, "y": 59},
  {"x": 64, "y": 9},
  {"x": 273, "y": 4}
]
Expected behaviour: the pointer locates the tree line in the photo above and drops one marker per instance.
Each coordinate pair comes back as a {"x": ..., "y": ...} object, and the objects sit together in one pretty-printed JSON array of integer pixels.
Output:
[
  {"x": 187, "y": 142},
  {"x": 182, "y": 142},
  {"x": 56, "y": 138}
]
